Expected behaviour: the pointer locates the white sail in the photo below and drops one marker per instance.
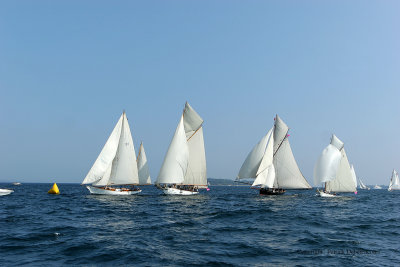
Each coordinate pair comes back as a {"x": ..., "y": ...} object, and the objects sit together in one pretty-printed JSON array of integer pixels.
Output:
[
  {"x": 173, "y": 169},
  {"x": 353, "y": 174},
  {"x": 362, "y": 185},
  {"x": 287, "y": 172},
  {"x": 253, "y": 160},
  {"x": 124, "y": 169},
  {"x": 196, "y": 173},
  {"x": 106, "y": 176},
  {"x": 280, "y": 133},
  {"x": 337, "y": 142},
  {"x": 143, "y": 167},
  {"x": 265, "y": 176},
  {"x": 191, "y": 120},
  {"x": 106, "y": 156},
  {"x": 344, "y": 181},
  {"x": 327, "y": 165},
  {"x": 394, "y": 181}
]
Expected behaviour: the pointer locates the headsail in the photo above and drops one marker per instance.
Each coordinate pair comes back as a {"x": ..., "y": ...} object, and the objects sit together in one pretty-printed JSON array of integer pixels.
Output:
[
  {"x": 196, "y": 173},
  {"x": 265, "y": 176},
  {"x": 143, "y": 167},
  {"x": 253, "y": 160},
  {"x": 173, "y": 169},
  {"x": 327, "y": 165},
  {"x": 288, "y": 174}
]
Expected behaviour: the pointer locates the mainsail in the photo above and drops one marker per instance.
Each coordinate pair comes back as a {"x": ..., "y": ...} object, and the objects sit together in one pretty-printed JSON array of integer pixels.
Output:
[
  {"x": 288, "y": 174},
  {"x": 283, "y": 171},
  {"x": 394, "y": 181},
  {"x": 265, "y": 176},
  {"x": 333, "y": 168},
  {"x": 185, "y": 161},
  {"x": 115, "y": 164},
  {"x": 143, "y": 167},
  {"x": 196, "y": 173}
]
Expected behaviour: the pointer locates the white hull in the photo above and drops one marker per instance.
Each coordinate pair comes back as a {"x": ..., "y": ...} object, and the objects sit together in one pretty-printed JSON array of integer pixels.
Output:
[
  {"x": 175, "y": 191},
  {"x": 4, "y": 192},
  {"x": 117, "y": 191},
  {"x": 324, "y": 194}
]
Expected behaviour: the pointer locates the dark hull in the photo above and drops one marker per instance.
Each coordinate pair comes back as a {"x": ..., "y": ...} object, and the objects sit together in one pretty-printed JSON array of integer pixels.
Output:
[{"x": 272, "y": 192}]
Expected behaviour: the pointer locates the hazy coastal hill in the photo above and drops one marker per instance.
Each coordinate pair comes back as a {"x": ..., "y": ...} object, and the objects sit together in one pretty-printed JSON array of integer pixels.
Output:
[{"x": 217, "y": 181}]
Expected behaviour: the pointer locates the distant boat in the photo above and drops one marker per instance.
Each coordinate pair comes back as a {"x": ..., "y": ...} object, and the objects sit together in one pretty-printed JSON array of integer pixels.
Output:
[
  {"x": 333, "y": 169},
  {"x": 183, "y": 171},
  {"x": 362, "y": 185},
  {"x": 143, "y": 167},
  {"x": 115, "y": 170},
  {"x": 4, "y": 192},
  {"x": 271, "y": 163},
  {"x": 394, "y": 181},
  {"x": 377, "y": 187},
  {"x": 16, "y": 183},
  {"x": 360, "y": 182},
  {"x": 355, "y": 178}
]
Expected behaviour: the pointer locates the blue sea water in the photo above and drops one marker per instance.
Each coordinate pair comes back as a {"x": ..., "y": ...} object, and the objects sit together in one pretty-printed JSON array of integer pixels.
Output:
[{"x": 226, "y": 226}]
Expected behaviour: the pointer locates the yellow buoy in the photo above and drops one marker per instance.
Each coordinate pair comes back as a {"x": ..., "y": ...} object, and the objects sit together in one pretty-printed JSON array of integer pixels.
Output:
[{"x": 54, "y": 189}]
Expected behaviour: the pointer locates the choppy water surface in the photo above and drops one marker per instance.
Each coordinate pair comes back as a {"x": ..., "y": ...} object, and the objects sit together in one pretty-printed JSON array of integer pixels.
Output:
[{"x": 224, "y": 226}]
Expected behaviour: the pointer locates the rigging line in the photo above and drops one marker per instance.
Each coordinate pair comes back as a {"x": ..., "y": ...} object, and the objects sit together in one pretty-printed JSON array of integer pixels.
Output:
[
  {"x": 281, "y": 142},
  {"x": 194, "y": 132}
]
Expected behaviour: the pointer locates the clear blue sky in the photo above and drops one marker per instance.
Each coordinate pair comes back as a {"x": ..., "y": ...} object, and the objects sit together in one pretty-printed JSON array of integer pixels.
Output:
[{"x": 69, "y": 68}]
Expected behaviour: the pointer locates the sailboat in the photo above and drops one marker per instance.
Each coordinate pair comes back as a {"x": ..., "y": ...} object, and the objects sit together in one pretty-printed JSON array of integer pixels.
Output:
[
  {"x": 143, "y": 167},
  {"x": 183, "y": 171},
  {"x": 115, "y": 171},
  {"x": 4, "y": 192},
  {"x": 362, "y": 185},
  {"x": 355, "y": 178},
  {"x": 333, "y": 169},
  {"x": 271, "y": 163},
  {"x": 377, "y": 187},
  {"x": 394, "y": 181}
]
